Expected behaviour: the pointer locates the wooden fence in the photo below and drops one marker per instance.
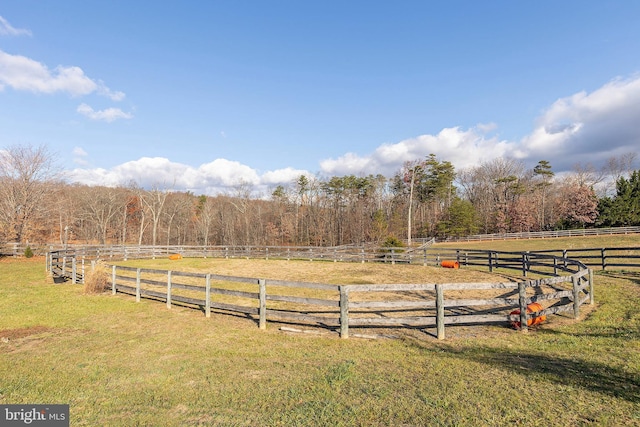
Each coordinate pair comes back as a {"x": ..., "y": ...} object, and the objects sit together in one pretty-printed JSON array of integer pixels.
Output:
[
  {"x": 600, "y": 258},
  {"x": 581, "y": 232},
  {"x": 567, "y": 285}
]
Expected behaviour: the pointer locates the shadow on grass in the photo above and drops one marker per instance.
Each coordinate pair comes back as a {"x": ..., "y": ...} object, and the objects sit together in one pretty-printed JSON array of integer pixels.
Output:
[
  {"x": 573, "y": 372},
  {"x": 632, "y": 276}
]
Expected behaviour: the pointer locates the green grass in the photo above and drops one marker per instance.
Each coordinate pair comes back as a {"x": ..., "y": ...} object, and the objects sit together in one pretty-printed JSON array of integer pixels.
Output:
[
  {"x": 121, "y": 363},
  {"x": 622, "y": 240}
]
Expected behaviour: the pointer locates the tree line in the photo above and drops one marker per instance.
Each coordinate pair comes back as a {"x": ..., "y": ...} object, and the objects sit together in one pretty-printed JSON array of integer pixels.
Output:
[{"x": 425, "y": 198}]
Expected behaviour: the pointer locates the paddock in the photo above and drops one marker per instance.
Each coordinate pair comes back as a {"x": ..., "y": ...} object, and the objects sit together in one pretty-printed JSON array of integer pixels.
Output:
[{"x": 557, "y": 283}]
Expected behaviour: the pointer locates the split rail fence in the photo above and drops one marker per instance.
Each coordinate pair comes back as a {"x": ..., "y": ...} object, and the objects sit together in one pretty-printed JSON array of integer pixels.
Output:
[{"x": 561, "y": 285}]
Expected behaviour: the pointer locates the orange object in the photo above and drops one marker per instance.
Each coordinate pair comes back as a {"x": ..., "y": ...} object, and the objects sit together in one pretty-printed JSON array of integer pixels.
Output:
[
  {"x": 175, "y": 256},
  {"x": 450, "y": 264},
  {"x": 534, "y": 307}
]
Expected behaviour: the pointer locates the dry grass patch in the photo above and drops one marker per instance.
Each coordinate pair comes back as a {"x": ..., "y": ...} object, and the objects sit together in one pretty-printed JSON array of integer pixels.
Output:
[
  {"x": 335, "y": 273},
  {"x": 96, "y": 281}
]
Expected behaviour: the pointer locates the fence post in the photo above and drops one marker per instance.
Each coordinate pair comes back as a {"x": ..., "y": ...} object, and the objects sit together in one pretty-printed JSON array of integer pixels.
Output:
[
  {"x": 169, "y": 289},
  {"x": 73, "y": 270},
  {"x": 363, "y": 255},
  {"x": 440, "y": 311},
  {"x": 424, "y": 257},
  {"x": 603, "y": 253},
  {"x": 113, "y": 280},
  {"x": 82, "y": 269},
  {"x": 138, "y": 285},
  {"x": 393, "y": 256},
  {"x": 344, "y": 312},
  {"x": 262, "y": 309},
  {"x": 555, "y": 266},
  {"x": 524, "y": 264},
  {"x": 591, "y": 287},
  {"x": 207, "y": 296},
  {"x": 522, "y": 301},
  {"x": 576, "y": 296},
  {"x": 490, "y": 262}
]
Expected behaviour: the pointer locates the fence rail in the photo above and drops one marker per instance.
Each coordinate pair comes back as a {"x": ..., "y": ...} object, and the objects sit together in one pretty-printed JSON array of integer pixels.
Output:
[
  {"x": 565, "y": 285},
  {"x": 548, "y": 234}
]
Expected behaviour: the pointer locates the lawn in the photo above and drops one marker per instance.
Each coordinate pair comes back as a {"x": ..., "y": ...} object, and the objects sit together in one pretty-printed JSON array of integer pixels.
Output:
[{"x": 121, "y": 363}]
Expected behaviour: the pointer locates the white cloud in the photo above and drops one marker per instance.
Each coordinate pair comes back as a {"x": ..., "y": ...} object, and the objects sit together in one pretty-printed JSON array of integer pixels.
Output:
[
  {"x": 80, "y": 156},
  {"x": 282, "y": 176},
  {"x": 22, "y": 73},
  {"x": 107, "y": 115},
  {"x": 582, "y": 128},
  {"x": 7, "y": 30},
  {"x": 218, "y": 176},
  {"x": 587, "y": 127},
  {"x": 463, "y": 148}
]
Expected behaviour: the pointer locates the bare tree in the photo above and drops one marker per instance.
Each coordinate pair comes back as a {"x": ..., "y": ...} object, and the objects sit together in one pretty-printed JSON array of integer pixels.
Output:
[
  {"x": 26, "y": 174},
  {"x": 101, "y": 206},
  {"x": 177, "y": 212},
  {"x": 153, "y": 202}
]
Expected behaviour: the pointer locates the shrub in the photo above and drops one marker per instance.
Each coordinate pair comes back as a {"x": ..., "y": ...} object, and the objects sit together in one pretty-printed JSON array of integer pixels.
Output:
[
  {"x": 390, "y": 246},
  {"x": 97, "y": 280},
  {"x": 28, "y": 253},
  {"x": 392, "y": 242}
]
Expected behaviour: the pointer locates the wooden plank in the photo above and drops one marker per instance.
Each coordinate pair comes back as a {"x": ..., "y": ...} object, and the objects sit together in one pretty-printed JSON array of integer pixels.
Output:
[
  {"x": 262, "y": 309},
  {"x": 126, "y": 289},
  {"x": 126, "y": 278},
  {"x": 242, "y": 294},
  {"x": 301, "y": 300},
  {"x": 550, "y": 296},
  {"x": 392, "y": 321},
  {"x": 234, "y": 308},
  {"x": 476, "y": 318},
  {"x": 391, "y": 304},
  {"x": 344, "y": 312},
  {"x": 440, "y": 312},
  {"x": 187, "y": 287},
  {"x": 188, "y": 274},
  {"x": 207, "y": 296},
  {"x": 548, "y": 281},
  {"x": 391, "y": 287},
  {"x": 235, "y": 279},
  {"x": 149, "y": 292},
  {"x": 169, "y": 289},
  {"x": 303, "y": 317},
  {"x": 194, "y": 301},
  {"x": 150, "y": 271},
  {"x": 481, "y": 302},
  {"x": 125, "y": 268},
  {"x": 479, "y": 286}
]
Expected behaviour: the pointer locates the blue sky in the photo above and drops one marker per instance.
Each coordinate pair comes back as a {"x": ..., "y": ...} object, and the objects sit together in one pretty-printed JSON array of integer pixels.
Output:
[{"x": 204, "y": 95}]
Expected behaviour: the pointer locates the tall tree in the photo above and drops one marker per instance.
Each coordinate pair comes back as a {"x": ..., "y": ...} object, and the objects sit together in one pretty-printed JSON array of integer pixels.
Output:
[
  {"x": 624, "y": 208},
  {"x": 153, "y": 202},
  {"x": 543, "y": 172}
]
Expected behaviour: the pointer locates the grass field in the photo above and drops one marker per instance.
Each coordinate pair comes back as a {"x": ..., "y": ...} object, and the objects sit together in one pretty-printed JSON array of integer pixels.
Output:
[{"x": 121, "y": 363}]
